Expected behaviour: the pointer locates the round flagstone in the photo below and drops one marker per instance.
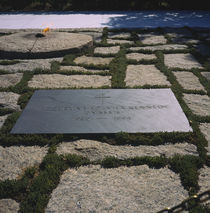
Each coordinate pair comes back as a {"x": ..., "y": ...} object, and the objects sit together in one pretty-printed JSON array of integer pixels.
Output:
[
  {"x": 140, "y": 56},
  {"x": 181, "y": 60},
  {"x": 69, "y": 81},
  {"x": 205, "y": 129},
  {"x": 80, "y": 69},
  {"x": 2, "y": 120},
  {"x": 9, "y": 100},
  {"x": 199, "y": 104},
  {"x": 10, "y": 79},
  {"x": 107, "y": 50},
  {"x": 9, "y": 206},
  {"x": 123, "y": 189},
  {"x": 140, "y": 75},
  {"x": 116, "y": 41},
  {"x": 206, "y": 75},
  {"x": 15, "y": 159},
  {"x": 188, "y": 81},
  {"x": 95, "y": 150},
  {"x": 152, "y": 39},
  {"x": 119, "y": 35},
  {"x": 93, "y": 60}
]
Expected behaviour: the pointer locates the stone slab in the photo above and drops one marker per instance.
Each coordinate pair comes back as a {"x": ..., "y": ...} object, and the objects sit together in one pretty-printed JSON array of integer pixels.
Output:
[
  {"x": 80, "y": 69},
  {"x": 9, "y": 100},
  {"x": 124, "y": 189},
  {"x": 117, "y": 41},
  {"x": 206, "y": 75},
  {"x": 10, "y": 79},
  {"x": 119, "y": 35},
  {"x": 140, "y": 75},
  {"x": 93, "y": 60},
  {"x": 185, "y": 41},
  {"x": 205, "y": 129},
  {"x": 140, "y": 56},
  {"x": 69, "y": 81},
  {"x": 102, "y": 111},
  {"x": 2, "y": 120},
  {"x": 107, "y": 50},
  {"x": 9, "y": 206},
  {"x": 152, "y": 39}
]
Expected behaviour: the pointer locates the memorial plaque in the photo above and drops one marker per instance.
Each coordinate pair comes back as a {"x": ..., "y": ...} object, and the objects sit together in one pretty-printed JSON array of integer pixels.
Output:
[{"x": 102, "y": 111}]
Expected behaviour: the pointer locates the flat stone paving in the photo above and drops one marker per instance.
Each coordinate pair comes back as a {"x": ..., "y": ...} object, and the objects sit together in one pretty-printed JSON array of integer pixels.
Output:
[
  {"x": 140, "y": 56},
  {"x": 80, "y": 69},
  {"x": 152, "y": 39},
  {"x": 121, "y": 41},
  {"x": 140, "y": 75},
  {"x": 206, "y": 75},
  {"x": 9, "y": 206},
  {"x": 93, "y": 60},
  {"x": 119, "y": 35},
  {"x": 107, "y": 50},
  {"x": 9, "y": 100},
  {"x": 10, "y": 79},
  {"x": 205, "y": 129}
]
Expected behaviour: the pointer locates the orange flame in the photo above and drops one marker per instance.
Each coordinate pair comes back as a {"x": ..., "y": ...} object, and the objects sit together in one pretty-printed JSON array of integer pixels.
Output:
[{"x": 47, "y": 29}]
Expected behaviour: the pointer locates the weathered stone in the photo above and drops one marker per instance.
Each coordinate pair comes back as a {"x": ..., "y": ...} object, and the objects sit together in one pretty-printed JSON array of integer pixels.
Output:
[
  {"x": 140, "y": 56},
  {"x": 9, "y": 100},
  {"x": 206, "y": 75},
  {"x": 115, "y": 41},
  {"x": 95, "y": 35},
  {"x": 205, "y": 129},
  {"x": 80, "y": 69},
  {"x": 123, "y": 189},
  {"x": 152, "y": 39},
  {"x": 30, "y": 65},
  {"x": 93, "y": 60},
  {"x": 9, "y": 206},
  {"x": 188, "y": 81},
  {"x": 119, "y": 35},
  {"x": 107, "y": 50},
  {"x": 10, "y": 79},
  {"x": 199, "y": 104},
  {"x": 15, "y": 159},
  {"x": 140, "y": 75},
  {"x": 160, "y": 47},
  {"x": 185, "y": 41},
  {"x": 2, "y": 120},
  {"x": 180, "y": 60},
  {"x": 71, "y": 81}
]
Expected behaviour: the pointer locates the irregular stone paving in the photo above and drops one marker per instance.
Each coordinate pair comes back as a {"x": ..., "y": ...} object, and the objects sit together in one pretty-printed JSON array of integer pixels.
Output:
[
  {"x": 188, "y": 81},
  {"x": 93, "y": 60},
  {"x": 140, "y": 56},
  {"x": 178, "y": 32},
  {"x": 119, "y": 35},
  {"x": 9, "y": 100},
  {"x": 30, "y": 65},
  {"x": 152, "y": 39},
  {"x": 2, "y": 120},
  {"x": 180, "y": 60},
  {"x": 95, "y": 150},
  {"x": 205, "y": 129},
  {"x": 14, "y": 159},
  {"x": 10, "y": 79},
  {"x": 160, "y": 47},
  {"x": 9, "y": 206},
  {"x": 71, "y": 81},
  {"x": 140, "y": 75},
  {"x": 206, "y": 75},
  {"x": 115, "y": 41},
  {"x": 199, "y": 104},
  {"x": 107, "y": 50},
  {"x": 185, "y": 40},
  {"x": 123, "y": 189},
  {"x": 80, "y": 69}
]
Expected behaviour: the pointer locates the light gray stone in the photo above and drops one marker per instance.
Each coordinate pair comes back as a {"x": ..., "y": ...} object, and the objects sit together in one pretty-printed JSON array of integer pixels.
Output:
[
  {"x": 9, "y": 206},
  {"x": 9, "y": 100},
  {"x": 119, "y": 35},
  {"x": 10, "y": 79},
  {"x": 116, "y": 41},
  {"x": 15, "y": 159},
  {"x": 95, "y": 35},
  {"x": 69, "y": 81},
  {"x": 80, "y": 69},
  {"x": 2, "y": 120},
  {"x": 199, "y": 104},
  {"x": 123, "y": 189},
  {"x": 107, "y": 50},
  {"x": 188, "y": 81},
  {"x": 152, "y": 39},
  {"x": 206, "y": 75},
  {"x": 140, "y": 56},
  {"x": 140, "y": 75},
  {"x": 93, "y": 60},
  {"x": 205, "y": 129},
  {"x": 181, "y": 60}
]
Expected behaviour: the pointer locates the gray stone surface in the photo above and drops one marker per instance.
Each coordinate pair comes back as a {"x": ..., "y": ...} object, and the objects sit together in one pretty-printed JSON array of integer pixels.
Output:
[
  {"x": 152, "y": 39},
  {"x": 185, "y": 41},
  {"x": 95, "y": 150},
  {"x": 206, "y": 75},
  {"x": 80, "y": 69},
  {"x": 199, "y": 104},
  {"x": 69, "y": 81},
  {"x": 116, "y": 41},
  {"x": 102, "y": 111},
  {"x": 205, "y": 129},
  {"x": 93, "y": 60},
  {"x": 2, "y": 120},
  {"x": 188, "y": 81},
  {"x": 140, "y": 56},
  {"x": 9, "y": 206},
  {"x": 107, "y": 50},
  {"x": 140, "y": 75},
  {"x": 30, "y": 65},
  {"x": 95, "y": 35},
  {"x": 123, "y": 189},
  {"x": 119, "y": 35},
  {"x": 9, "y": 100},
  {"x": 10, "y": 79},
  {"x": 15, "y": 159},
  {"x": 181, "y": 60}
]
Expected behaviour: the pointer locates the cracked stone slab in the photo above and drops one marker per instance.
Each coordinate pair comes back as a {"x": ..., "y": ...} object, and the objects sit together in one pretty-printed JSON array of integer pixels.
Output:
[
  {"x": 205, "y": 129},
  {"x": 2, "y": 120},
  {"x": 119, "y": 35},
  {"x": 95, "y": 150},
  {"x": 69, "y": 81},
  {"x": 107, "y": 50},
  {"x": 140, "y": 75},
  {"x": 140, "y": 56},
  {"x": 93, "y": 60},
  {"x": 188, "y": 81},
  {"x": 9, "y": 206},
  {"x": 199, "y": 104},
  {"x": 117, "y": 41},
  {"x": 8, "y": 80},
  {"x": 181, "y": 60},
  {"x": 80, "y": 69},
  {"x": 15, "y": 159},
  {"x": 9, "y": 100},
  {"x": 160, "y": 47},
  {"x": 152, "y": 39},
  {"x": 206, "y": 75},
  {"x": 30, "y": 65},
  {"x": 123, "y": 189}
]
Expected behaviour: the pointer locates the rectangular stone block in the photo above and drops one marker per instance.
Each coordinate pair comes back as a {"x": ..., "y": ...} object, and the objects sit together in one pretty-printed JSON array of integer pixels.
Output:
[{"x": 102, "y": 111}]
